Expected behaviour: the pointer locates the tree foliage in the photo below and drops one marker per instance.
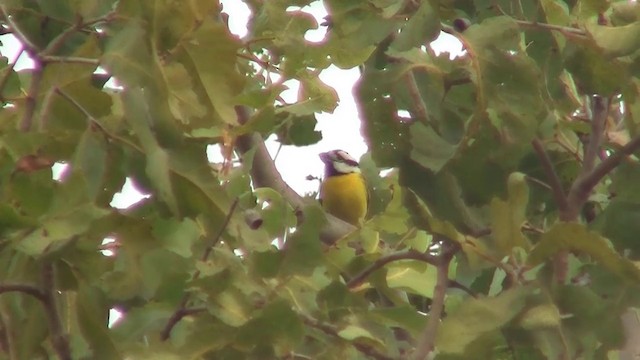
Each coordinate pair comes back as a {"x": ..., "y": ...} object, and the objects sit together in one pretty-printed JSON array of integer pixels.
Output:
[{"x": 507, "y": 228}]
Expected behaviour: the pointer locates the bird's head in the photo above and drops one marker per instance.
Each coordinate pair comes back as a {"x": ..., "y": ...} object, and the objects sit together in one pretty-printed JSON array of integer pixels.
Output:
[{"x": 338, "y": 162}]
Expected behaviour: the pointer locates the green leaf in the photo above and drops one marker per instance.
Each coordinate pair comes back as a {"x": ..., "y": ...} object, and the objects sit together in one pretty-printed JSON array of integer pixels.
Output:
[
  {"x": 300, "y": 131},
  {"x": 303, "y": 248},
  {"x": 509, "y": 216},
  {"x": 616, "y": 41},
  {"x": 183, "y": 101},
  {"x": 127, "y": 56},
  {"x": 412, "y": 276},
  {"x": 495, "y": 32},
  {"x": 221, "y": 83},
  {"x": 178, "y": 236},
  {"x": 429, "y": 149},
  {"x": 620, "y": 221},
  {"x": 477, "y": 317},
  {"x": 421, "y": 29},
  {"x": 538, "y": 317},
  {"x": 157, "y": 167},
  {"x": 90, "y": 160},
  {"x": 576, "y": 237},
  {"x": 92, "y": 311},
  {"x": 276, "y": 325},
  {"x": 60, "y": 229},
  {"x": 353, "y": 332}
]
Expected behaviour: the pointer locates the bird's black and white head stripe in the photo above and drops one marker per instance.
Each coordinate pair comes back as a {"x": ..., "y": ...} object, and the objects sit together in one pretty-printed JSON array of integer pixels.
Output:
[{"x": 339, "y": 162}]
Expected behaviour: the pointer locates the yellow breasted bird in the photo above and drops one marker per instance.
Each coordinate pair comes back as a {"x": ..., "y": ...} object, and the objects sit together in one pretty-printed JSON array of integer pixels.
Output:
[{"x": 343, "y": 191}]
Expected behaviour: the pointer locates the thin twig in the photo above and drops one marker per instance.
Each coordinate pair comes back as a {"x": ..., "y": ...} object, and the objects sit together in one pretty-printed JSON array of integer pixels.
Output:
[
  {"x": 30, "y": 290},
  {"x": 568, "y": 31},
  {"x": 76, "y": 104},
  {"x": 59, "y": 40},
  {"x": 69, "y": 60},
  {"x": 30, "y": 100},
  {"x": 419, "y": 108},
  {"x": 426, "y": 341},
  {"x": 176, "y": 317},
  {"x": 554, "y": 181},
  {"x": 182, "y": 309},
  {"x": 456, "y": 285},
  {"x": 600, "y": 113},
  {"x": 405, "y": 255},
  {"x": 56, "y": 330},
  {"x": 30, "y": 47},
  {"x": 583, "y": 186},
  {"x": 332, "y": 331},
  {"x": 538, "y": 182}
]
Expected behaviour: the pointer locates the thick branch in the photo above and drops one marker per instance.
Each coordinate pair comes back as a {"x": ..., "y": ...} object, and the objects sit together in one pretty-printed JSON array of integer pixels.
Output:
[
  {"x": 265, "y": 174},
  {"x": 406, "y": 255},
  {"x": 554, "y": 181},
  {"x": 56, "y": 330},
  {"x": 426, "y": 341}
]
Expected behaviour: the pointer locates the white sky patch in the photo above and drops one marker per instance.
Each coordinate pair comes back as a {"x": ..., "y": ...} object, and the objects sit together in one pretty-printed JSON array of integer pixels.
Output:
[
  {"x": 10, "y": 48},
  {"x": 128, "y": 196},
  {"x": 58, "y": 170},
  {"x": 108, "y": 252},
  {"x": 239, "y": 14},
  {"x": 447, "y": 43},
  {"x": 114, "y": 316}
]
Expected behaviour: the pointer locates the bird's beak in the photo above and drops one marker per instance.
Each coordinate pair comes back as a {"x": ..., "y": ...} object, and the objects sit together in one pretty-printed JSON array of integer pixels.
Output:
[{"x": 325, "y": 157}]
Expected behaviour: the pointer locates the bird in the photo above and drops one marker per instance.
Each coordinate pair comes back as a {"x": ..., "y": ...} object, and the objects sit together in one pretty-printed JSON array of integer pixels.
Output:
[{"x": 343, "y": 191}]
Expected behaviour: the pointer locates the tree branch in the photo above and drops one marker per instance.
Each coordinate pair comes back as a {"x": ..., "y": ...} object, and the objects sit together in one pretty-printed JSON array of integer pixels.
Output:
[
  {"x": 30, "y": 290},
  {"x": 426, "y": 341},
  {"x": 176, "y": 317},
  {"x": 556, "y": 186},
  {"x": 419, "y": 108},
  {"x": 583, "y": 186},
  {"x": 405, "y": 255},
  {"x": 70, "y": 59},
  {"x": 568, "y": 31},
  {"x": 30, "y": 47},
  {"x": 30, "y": 99},
  {"x": 56, "y": 331},
  {"x": 600, "y": 111},
  {"x": 182, "y": 309},
  {"x": 332, "y": 331},
  {"x": 265, "y": 174}
]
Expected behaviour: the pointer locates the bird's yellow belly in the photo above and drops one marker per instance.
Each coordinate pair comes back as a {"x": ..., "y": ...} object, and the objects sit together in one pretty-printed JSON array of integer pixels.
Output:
[{"x": 345, "y": 197}]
